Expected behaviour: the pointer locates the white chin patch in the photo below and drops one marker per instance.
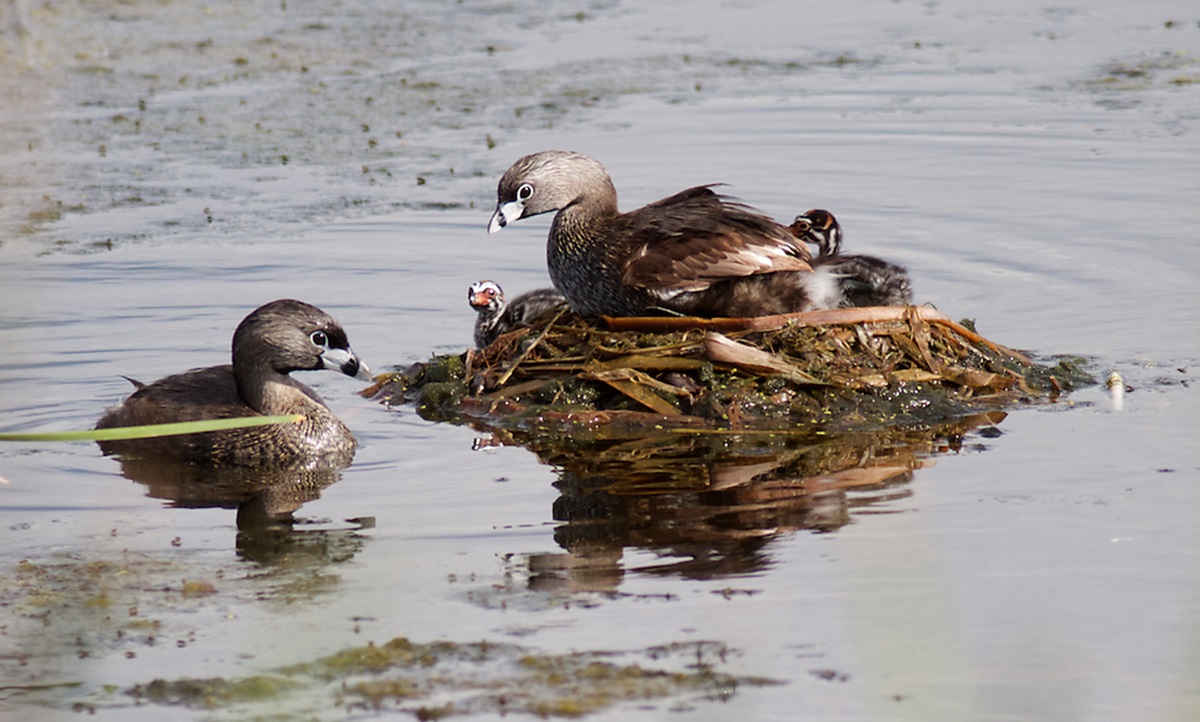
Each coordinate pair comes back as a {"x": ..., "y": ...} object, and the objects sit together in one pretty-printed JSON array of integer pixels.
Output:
[{"x": 505, "y": 213}]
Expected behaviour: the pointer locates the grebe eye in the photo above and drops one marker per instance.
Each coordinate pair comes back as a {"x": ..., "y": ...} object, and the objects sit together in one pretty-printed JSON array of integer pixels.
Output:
[
  {"x": 319, "y": 338},
  {"x": 524, "y": 192}
]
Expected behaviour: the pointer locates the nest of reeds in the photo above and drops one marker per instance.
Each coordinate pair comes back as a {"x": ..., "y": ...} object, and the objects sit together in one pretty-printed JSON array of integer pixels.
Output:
[{"x": 857, "y": 368}]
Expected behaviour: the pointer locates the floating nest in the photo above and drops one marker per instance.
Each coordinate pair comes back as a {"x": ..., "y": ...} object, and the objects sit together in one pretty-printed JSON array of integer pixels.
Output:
[{"x": 844, "y": 369}]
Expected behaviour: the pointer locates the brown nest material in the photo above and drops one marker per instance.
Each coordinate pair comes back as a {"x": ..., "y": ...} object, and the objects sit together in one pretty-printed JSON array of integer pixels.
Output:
[{"x": 856, "y": 368}]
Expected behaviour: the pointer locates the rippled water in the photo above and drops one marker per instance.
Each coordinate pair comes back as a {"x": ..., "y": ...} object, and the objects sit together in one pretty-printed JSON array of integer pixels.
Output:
[{"x": 167, "y": 168}]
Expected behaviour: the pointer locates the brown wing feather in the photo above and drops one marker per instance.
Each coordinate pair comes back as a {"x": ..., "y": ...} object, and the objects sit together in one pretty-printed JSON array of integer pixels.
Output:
[
  {"x": 174, "y": 398},
  {"x": 696, "y": 237}
]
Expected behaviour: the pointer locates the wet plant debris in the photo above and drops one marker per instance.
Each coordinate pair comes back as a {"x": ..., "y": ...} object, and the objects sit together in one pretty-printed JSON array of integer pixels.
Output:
[
  {"x": 843, "y": 369},
  {"x": 445, "y": 679}
]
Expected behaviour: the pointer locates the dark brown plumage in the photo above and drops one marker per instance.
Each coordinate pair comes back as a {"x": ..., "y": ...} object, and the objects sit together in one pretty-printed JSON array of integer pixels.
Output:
[
  {"x": 861, "y": 280},
  {"x": 498, "y": 316},
  {"x": 695, "y": 252},
  {"x": 276, "y": 339}
]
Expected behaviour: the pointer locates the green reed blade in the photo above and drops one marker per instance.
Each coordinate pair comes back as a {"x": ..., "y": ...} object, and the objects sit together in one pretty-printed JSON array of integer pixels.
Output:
[{"x": 153, "y": 430}]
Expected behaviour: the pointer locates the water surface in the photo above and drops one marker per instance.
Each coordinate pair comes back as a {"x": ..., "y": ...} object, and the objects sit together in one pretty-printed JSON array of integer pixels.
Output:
[{"x": 168, "y": 168}]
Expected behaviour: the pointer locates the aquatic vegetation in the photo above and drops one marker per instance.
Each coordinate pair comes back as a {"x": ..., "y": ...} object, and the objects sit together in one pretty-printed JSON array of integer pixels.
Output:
[
  {"x": 1150, "y": 71},
  {"x": 101, "y": 606},
  {"x": 443, "y": 679},
  {"x": 214, "y": 692},
  {"x": 94, "y": 606}
]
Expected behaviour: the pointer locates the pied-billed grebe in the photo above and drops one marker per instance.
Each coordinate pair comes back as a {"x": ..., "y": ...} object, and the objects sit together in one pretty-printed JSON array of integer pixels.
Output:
[
  {"x": 498, "y": 316},
  {"x": 862, "y": 280},
  {"x": 696, "y": 252},
  {"x": 276, "y": 339}
]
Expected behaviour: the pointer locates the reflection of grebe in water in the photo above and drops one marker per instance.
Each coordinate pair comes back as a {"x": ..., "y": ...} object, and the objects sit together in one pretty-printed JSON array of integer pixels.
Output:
[{"x": 266, "y": 501}]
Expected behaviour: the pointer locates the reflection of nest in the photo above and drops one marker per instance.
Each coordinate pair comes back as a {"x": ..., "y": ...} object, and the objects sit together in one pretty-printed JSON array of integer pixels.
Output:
[{"x": 709, "y": 503}]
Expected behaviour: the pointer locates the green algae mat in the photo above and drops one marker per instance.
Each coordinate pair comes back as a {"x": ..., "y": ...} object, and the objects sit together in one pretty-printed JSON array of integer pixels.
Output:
[{"x": 447, "y": 679}]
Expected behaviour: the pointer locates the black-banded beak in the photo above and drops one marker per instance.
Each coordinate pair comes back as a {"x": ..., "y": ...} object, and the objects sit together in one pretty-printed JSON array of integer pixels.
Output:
[{"x": 347, "y": 362}]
